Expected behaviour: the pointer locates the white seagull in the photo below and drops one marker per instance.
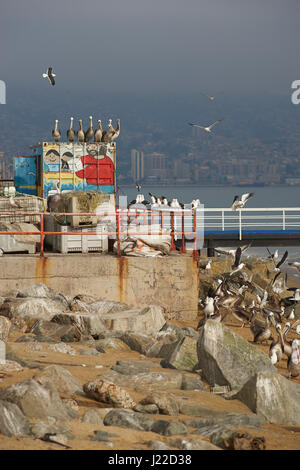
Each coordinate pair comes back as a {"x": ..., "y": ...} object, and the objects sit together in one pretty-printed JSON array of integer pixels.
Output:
[
  {"x": 208, "y": 128},
  {"x": 211, "y": 98},
  {"x": 50, "y": 75},
  {"x": 238, "y": 204}
]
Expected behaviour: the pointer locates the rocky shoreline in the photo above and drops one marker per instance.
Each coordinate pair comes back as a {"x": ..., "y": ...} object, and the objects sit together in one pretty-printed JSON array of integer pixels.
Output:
[{"x": 83, "y": 373}]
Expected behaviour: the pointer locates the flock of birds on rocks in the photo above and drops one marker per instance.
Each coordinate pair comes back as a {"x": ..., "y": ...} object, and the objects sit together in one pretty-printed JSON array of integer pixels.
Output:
[
  {"x": 269, "y": 317},
  {"x": 108, "y": 135}
]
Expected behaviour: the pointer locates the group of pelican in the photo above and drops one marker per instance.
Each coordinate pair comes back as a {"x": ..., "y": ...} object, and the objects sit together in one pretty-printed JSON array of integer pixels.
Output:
[
  {"x": 98, "y": 134},
  {"x": 269, "y": 316}
]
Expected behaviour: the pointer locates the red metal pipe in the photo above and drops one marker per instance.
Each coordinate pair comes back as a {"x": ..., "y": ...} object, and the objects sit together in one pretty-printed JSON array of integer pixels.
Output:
[{"x": 183, "y": 250}]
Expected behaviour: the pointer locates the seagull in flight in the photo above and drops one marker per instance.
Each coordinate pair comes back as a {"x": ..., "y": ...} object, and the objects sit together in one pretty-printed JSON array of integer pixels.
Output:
[
  {"x": 50, "y": 75},
  {"x": 138, "y": 187},
  {"x": 208, "y": 128},
  {"x": 238, "y": 204},
  {"x": 211, "y": 98}
]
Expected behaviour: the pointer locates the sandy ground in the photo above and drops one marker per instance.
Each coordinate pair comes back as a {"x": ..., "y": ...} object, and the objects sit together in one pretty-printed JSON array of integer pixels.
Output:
[{"x": 277, "y": 437}]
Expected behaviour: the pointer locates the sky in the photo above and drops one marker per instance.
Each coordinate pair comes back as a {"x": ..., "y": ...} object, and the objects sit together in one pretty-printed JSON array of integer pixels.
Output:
[{"x": 150, "y": 46}]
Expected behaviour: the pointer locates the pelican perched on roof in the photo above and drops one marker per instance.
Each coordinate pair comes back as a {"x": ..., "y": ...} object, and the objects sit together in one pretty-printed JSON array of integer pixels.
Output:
[
  {"x": 208, "y": 128},
  {"x": 98, "y": 132},
  {"x": 239, "y": 203},
  {"x": 71, "y": 132},
  {"x": 50, "y": 75},
  {"x": 56, "y": 134},
  {"x": 80, "y": 132},
  {"x": 89, "y": 133},
  {"x": 110, "y": 133}
]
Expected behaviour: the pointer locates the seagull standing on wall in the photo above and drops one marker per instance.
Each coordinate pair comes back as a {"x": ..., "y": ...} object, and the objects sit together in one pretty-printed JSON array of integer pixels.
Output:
[
  {"x": 50, "y": 75},
  {"x": 238, "y": 204}
]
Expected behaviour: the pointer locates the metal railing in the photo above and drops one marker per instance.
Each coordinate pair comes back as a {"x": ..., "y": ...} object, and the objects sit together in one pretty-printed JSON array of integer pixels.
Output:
[{"x": 183, "y": 224}]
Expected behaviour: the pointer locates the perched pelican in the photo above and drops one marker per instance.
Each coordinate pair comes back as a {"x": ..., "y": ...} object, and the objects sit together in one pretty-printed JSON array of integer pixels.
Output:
[
  {"x": 53, "y": 200},
  {"x": 211, "y": 98},
  {"x": 56, "y": 134},
  {"x": 71, "y": 132},
  {"x": 238, "y": 204},
  {"x": 293, "y": 363},
  {"x": 89, "y": 133},
  {"x": 50, "y": 75},
  {"x": 276, "y": 349},
  {"x": 264, "y": 333},
  {"x": 98, "y": 132},
  {"x": 208, "y": 128},
  {"x": 80, "y": 132},
  {"x": 111, "y": 134}
]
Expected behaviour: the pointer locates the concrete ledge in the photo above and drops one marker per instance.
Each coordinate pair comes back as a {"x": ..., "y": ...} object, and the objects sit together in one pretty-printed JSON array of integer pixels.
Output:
[{"x": 171, "y": 282}]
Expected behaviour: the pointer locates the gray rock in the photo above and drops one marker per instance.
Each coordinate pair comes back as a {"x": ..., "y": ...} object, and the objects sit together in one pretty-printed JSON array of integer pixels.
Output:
[
  {"x": 148, "y": 380},
  {"x": 89, "y": 352},
  {"x": 272, "y": 397},
  {"x": 129, "y": 368},
  {"x": 128, "y": 419},
  {"x": 102, "y": 436},
  {"x": 31, "y": 308},
  {"x": 54, "y": 330},
  {"x": 102, "y": 307},
  {"x": 36, "y": 290},
  {"x": 92, "y": 416},
  {"x": 51, "y": 426},
  {"x": 62, "y": 348},
  {"x": 192, "y": 383},
  {"x": 184, "y": 355},
  {"x": 169, "y": 428},
  {"x": 192, "y": 408},
  {"x": 226, "y": 358},
  {"x": 60, "y": 378},
  {"x": 36, "y": 401},
  {"x": 5, "y": 326},
  {"x": 12, "y": 420},
  {"x": 192, "y": 444},
  {"x": 157, "y": 445},
  {"x": 149, "y": 319},
  {"x": 111, "y": 343},
  {"x": 88, "y": 323},
  {"x": 147, "y": 409},
  {"x": 166, "y": 403},
  {"x": 138, "y": 341},
  {"x": 206, "y": 426}
]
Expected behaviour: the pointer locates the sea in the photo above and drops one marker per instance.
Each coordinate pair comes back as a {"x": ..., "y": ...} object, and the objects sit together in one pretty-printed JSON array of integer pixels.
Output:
[{"x": 222, "y": 197}]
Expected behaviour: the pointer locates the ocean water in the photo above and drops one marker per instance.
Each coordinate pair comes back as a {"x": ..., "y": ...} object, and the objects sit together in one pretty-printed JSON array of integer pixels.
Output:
[{"x": 222, "y": 197}]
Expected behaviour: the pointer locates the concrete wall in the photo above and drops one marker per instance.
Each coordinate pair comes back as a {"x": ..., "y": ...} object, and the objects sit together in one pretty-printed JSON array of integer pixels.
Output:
[{"x": 171, "y": 282}]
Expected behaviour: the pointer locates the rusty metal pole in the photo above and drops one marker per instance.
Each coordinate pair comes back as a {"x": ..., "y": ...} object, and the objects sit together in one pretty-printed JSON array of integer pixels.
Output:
[
  {"x": 118, "y": 232},
  {"x": 195, "y": 251},
  {"x": 42, "y": 236},
  {"x": 172, "y": 232},
  {"x": 183, "y": 250}
]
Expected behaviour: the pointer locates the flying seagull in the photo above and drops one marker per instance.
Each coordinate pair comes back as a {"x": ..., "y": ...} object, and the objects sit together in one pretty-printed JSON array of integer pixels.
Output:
[
  {"x": 50, "y": 75},
  {"x": 237, "y": 265},
  {"x": 283, "y": 259},
  {"x": 233, "y": 252},
  {"x": 211, "y": 98},
  {"x": 208, "y": 128},
  {"x": 238, "y": 204},
  {"x": 138, "y": 187}
]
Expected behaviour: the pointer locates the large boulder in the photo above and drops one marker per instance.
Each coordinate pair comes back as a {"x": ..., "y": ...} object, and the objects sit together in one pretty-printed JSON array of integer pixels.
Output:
[
  {"x": 12, "y": 420},
  {"x": 272, "y": 397},
  {"x": 60, "y": 378},
  {"x": 147, "y": 320},
  {"x": 5, "y": 325},
  {"x": 87, "y": 323},
  {"x": 31, "y": 308},
  {"x": 225, "y": 358}
]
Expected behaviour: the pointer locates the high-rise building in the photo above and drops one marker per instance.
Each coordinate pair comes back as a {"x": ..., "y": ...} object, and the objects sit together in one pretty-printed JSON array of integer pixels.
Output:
[
  {"x": 137, "y": 165},
  {"x": 155, "y": 165}
]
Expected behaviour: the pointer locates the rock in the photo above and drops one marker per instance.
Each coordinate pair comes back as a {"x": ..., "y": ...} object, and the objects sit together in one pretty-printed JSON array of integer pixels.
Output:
[
  {"x": 138, "y": 341},
  {"x": 87, "y": 299},
  {"x": 128, "y": 419},
  {"x": 54, "y": 330},
  {"x": 192, "y": 383},
  {"x": 92, "y": 416},
  {"x": 108, "y": 392},
  {"x": 31, "y": 308},
  {"x": 62, "y": 348},
  {"x": 87, "y": 323},
  {"x": 30, "y": 338},
  {"x": 5, "y": 326},
  {"x": 184, "y": 355},
  {"x": 102, "y": 307},
  {"x": 89, "y": 352},
  {"x": 157, "y": 445},
  {"x": 207, "y": 426},
  {"x": 166, "y": 403},
  {"x": 226, "y": 358},
  {"x": 36, "y": 401},
  {"x": 71, "y": 403},
  {"x": 168, "y": 428},
  {"x": 272, "y": 397},
  {"x": 129, "y": 368},
  {"x": 149, "y": 319},
  {"x": 147, "y": 409},
  {"x": 111, "y": 343},
  {"x": 36, "y": 290},
  {"x": 51, "y": 426},
  {"x": 192, "y": 444},
  {"x": 173, "y": 332},
  {"x": 149, "y": 380},
  {"x": 10, "y": 366},
  {"x": 12, "y": 420},
  {"x": 102, "y": 436},
  {"x": 60, "y": 378}
]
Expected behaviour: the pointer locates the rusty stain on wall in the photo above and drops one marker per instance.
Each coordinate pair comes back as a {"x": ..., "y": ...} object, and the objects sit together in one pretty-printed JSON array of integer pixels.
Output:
[
  {"x": 123, "y": 278},
  {"x": 42, "y": 269}
]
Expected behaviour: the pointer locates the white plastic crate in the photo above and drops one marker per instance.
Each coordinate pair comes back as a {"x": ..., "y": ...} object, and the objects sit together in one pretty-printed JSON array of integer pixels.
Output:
[
  {"x": 77, "y": 242},
  {"x": 26, "y": 204}
]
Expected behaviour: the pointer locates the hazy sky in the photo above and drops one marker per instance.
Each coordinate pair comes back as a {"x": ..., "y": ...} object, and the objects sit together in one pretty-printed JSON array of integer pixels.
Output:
[{"x": 156, "y": 45}]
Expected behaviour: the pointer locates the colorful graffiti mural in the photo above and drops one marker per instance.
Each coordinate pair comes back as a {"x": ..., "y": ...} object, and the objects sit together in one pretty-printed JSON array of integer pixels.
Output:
[{"x": 79, "y": 166}]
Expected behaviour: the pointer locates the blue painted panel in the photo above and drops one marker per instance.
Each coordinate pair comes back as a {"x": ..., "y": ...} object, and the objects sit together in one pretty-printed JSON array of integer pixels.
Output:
[{"x": 25, "y": 175}]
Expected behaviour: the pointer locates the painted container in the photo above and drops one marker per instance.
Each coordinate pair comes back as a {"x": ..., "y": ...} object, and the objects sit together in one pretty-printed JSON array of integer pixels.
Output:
[{"x": 77, "y": 166}]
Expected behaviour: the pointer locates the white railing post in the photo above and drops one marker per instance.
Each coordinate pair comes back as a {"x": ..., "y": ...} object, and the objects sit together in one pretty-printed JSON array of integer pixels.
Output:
[
  {"x": 283, "y": 219},
  {"x": 223, "y": 221},
  {"x": 240, "y": 224}
]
